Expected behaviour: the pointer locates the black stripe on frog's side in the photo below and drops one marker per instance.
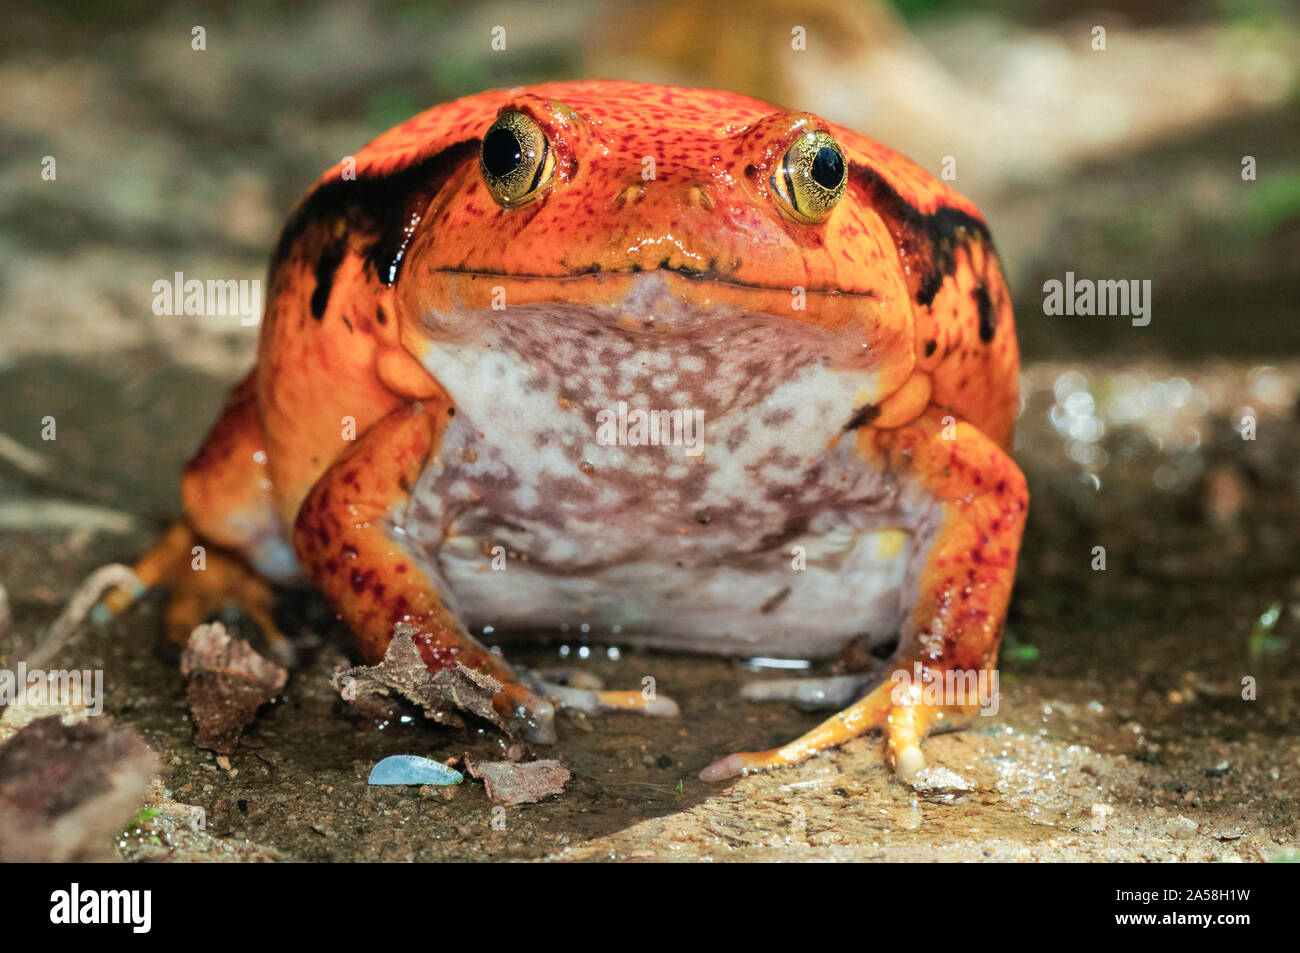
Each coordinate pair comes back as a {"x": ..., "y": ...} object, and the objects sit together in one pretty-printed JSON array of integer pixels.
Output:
[
  {"x": 927, "y": 241},
  {"x": 988, "y": 317},
  {"x": 376, "y": 213},
  {"x": 326, "y": 264}
]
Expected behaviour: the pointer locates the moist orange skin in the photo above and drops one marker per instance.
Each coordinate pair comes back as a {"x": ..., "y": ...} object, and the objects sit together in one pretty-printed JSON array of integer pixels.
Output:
[{"x": 902, "y": 257}]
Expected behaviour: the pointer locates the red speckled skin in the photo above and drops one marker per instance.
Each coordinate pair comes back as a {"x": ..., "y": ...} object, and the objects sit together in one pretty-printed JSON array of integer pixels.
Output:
[{"x": 901, "y": 256}]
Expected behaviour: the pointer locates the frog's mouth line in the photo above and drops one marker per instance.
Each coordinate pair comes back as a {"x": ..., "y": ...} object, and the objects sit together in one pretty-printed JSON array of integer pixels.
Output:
[{"x": 698, "y": 276}]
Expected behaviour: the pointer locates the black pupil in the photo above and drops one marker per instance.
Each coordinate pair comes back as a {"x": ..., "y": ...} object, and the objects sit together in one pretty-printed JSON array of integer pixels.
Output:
[
  {"x": 827, "y": 168},
  {"x": 502, "y": 153}
]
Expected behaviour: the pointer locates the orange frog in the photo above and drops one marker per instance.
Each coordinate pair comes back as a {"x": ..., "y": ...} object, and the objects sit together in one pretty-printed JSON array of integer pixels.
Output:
[{"x": 673, "y": 365}]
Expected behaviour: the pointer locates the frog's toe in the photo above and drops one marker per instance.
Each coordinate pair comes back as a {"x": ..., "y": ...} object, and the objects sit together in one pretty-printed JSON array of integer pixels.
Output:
[
  {"x": 809, "y": 694},
  {"x": 595, "y": 701},
  {"x": 734, "y": 765},
  {"x": 903, "y": 722},
  {"x": 871, "y": 711},
  {"x": 909, "y": 762},
  {"x": 533, "y": 715},
  {"x": 659, "y": 706}
]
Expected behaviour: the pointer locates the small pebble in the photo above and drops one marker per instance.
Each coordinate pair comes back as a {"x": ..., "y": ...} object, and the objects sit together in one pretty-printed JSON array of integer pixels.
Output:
[
  {"x": 940, "y": 780},
  {"x": 1101, "y": 814},
  {"x": 412, "y": 769}
]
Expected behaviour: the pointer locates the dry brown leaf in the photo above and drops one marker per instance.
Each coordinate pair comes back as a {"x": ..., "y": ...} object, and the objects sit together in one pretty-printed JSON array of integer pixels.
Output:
[
  {"x": 528, "y": 783},
  {"x": 227, "y": 683},
  {"x": 404, "y": 673}
]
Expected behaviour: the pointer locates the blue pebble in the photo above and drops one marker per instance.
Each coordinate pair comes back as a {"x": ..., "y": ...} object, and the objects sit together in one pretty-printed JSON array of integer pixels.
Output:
[{"x": 412, "y": 769}]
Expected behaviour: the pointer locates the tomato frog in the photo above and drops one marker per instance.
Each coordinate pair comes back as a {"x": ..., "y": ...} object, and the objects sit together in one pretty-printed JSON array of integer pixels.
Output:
[{"x": 469, "y": 323}]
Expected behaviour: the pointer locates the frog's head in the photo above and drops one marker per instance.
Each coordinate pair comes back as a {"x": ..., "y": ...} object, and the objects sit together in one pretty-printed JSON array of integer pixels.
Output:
[{"x": 661, "y": 209}]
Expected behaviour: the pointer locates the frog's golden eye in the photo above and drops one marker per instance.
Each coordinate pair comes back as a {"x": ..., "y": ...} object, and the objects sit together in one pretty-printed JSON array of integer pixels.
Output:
[
  {"x": 811, "y": 177},
  {"x": 516, "y": 160}
]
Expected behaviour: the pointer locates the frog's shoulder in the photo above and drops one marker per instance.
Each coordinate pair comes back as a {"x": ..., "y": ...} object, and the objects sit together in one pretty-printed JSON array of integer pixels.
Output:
[{"x": 965, "y": 336}]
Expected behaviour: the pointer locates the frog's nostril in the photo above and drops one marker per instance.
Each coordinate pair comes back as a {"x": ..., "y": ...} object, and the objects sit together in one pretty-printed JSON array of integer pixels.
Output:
[
  {"x": 629, "y": 193},
  {"x": 698, "y": 197}
]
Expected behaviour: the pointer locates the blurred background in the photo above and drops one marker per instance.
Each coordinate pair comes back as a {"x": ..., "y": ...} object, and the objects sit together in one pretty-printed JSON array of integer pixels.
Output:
[
  {"x": 1124, "y": 162},
  {"x": 1117, "y": 163}
]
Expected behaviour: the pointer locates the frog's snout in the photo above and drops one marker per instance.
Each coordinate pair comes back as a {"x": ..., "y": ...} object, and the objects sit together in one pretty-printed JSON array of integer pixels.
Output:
[{"x": 690, "y": 194}]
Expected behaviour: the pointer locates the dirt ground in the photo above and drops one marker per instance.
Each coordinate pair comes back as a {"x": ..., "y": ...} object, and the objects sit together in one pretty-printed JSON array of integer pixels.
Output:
[{"x": 1123, "y": 733}]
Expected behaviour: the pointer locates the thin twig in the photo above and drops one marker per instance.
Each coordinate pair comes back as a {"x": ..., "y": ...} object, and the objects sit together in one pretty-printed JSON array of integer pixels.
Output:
[
  {"x": 66, "y": 625},
  {"x": 40, "y": 515},
  {"x": 42, "y": 471}
]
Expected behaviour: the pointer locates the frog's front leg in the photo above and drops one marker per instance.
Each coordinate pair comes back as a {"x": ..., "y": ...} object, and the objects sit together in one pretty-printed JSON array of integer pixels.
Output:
[
  {"x": 958, "y": 586},
  {"x": 348, "y": 539}
]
